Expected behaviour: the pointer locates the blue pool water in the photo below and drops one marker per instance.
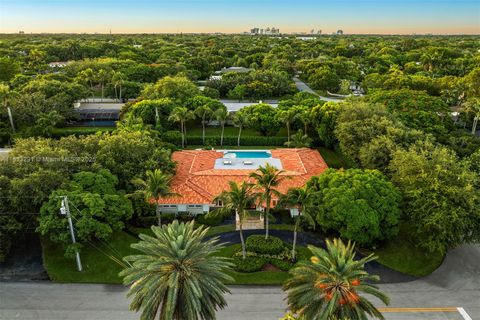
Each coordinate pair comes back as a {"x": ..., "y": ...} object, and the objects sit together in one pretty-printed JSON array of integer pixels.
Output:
[{"x": 249, "y": 154}]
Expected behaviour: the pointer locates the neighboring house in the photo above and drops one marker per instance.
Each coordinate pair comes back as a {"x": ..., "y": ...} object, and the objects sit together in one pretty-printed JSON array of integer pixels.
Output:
[{"x": 201, "y": 175}]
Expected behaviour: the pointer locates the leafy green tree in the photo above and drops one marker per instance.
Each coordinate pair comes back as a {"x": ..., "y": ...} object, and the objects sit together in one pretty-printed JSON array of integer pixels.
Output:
[
  {"x": 238, "y": 93},
  {"x": 97, "y": 209},
  {"x": 330, "y": 285},
  {"x": 203, "y": 112},
  {"x": 324, "y": 119},
  {"x": 8, "y": 68},
  {"x": 439, "y": 196},
  {"x": 238, "y": 199},
  {"x": 472, "y": 106},
  {"x": 360, "y": 205},
  {"x": 129, "y": 154},
  {"x": 177, "y": 276},
  {"x": 182, "y": 115},
  {"x": 262, "y": 117},
  {"x": 222, "y": 115},
  {"x": 179, "y": 89},
  {"x": 416, "y": 109},
  {"x": 5, "y": 94},
  {"x": 155, "y": 112},
  {"x": 300, "y": 199},
  {"x": 240, "y": 119},
  {"x": 267, "y": 178},
  {"x": 475, "y": 162},
  {"x": 46, "y": 123},
  {"x": 154, "y": 188},
  {"x": 325, "y": 79}
]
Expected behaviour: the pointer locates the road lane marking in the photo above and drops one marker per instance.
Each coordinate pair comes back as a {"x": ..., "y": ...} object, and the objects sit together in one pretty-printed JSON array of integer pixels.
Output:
[
  {"x": 464, "y": 314},
  {"x": 439, "y": 309}
]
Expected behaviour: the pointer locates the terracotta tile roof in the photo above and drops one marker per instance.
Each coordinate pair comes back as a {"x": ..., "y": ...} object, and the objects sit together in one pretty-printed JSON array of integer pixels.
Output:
[{"x": 198, "y": 182}]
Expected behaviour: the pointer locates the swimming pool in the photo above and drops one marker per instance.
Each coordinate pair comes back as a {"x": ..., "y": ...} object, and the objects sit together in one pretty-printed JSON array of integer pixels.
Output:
[{"x": 248, "y": 154}]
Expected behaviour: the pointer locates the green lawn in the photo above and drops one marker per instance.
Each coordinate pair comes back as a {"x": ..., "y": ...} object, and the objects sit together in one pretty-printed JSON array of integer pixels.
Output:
[
  {"x": 403, "y": 255},
  {"x": 98, "y": 267}
]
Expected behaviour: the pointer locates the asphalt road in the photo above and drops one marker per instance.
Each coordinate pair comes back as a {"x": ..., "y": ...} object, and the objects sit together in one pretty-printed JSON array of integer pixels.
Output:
[{"x": 455, "y": 284}]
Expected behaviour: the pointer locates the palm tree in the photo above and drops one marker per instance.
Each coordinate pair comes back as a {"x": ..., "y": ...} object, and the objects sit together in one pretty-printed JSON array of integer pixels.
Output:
[
  {"x": 221, "y": 115},
  {"x": 87, "y": 76},
  {"x": 473, "y": 106},
  {"x": 328, "y": 286},
  {"x": 102, "y": 77},
  {"x": 181, "y": 115},
  {"x": 118, "y": 79},
  {"x": 287, "y": 117},
  {"x": 5, "y": 94},
  {"x": 299, "y": 140},
  {"x": 266, "y": 179},
  {"x": 238, "y": 199},
  {"x": 156, "y": 187},
  {"x": 299, "y": 198},
  {"x": 305, "y": 118},
  {"x": 203, "y": 112},
  {"x": 177, "y": 276},
  {"x": 240, "y": 119}
]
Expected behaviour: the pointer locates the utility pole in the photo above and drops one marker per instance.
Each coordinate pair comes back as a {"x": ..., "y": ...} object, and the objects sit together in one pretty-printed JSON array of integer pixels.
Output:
[{"x": 65, "y": 210}]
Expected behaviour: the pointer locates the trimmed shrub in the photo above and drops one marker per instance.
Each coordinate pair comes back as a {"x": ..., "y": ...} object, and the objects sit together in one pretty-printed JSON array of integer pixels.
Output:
[
  {"x": 258, "y": 244},
  {"x": 175, "y": 137},
  {"x": 250, "y": 264},
  {"x": 282, "y": 264}
]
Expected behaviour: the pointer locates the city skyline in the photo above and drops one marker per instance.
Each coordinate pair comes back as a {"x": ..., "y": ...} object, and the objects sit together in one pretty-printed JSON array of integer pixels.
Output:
[{"x": 195, "y": 16}]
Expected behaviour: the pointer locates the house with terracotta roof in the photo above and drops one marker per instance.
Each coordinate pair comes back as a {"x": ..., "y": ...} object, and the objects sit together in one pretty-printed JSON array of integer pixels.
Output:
[{"x": 201, "y": 175}]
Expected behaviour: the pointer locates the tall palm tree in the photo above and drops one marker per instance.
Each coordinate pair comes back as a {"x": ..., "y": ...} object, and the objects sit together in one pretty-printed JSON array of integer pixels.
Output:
[
  {"x": 238, "y": 199},
  {"x": 102, "y": 77},
  {"x": 203, "y": 112},
  {"x": 328, "y": 286},
  {"x": 182, "y": 115},
  {"x": 287, "y": 117},
  {"x": 240, "y": 119},
  {"x": 221, "y": 115},
  {"x": 266, "y": 179},
  {"x": 473, "y": 106},
  {"x": 5, "y": 94},
  {"x": 300, "y": 198},
  {"x": 154, "y": 188},
  {"x": 177, "y": 276},
  {"x": 118, "y": 79},
  {"x": 305, "y": 118}
]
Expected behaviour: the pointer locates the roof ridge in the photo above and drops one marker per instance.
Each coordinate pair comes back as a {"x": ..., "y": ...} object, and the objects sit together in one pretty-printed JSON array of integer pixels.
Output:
[{"x": 198, "y": 189}]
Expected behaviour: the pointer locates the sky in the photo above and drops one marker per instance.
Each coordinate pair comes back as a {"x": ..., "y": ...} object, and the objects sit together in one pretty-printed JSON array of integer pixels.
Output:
[{"x": 235, "y": 16}]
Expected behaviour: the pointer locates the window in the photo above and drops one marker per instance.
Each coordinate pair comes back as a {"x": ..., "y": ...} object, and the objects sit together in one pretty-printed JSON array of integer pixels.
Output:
[
  {"x": 198, "y": 206},
  {"x": 220, "y": 203},
  {"x": 275, "y": 202}
]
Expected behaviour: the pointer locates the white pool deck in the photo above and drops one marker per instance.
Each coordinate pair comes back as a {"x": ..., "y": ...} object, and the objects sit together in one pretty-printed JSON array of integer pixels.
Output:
[{"x": 233, "y": 163}]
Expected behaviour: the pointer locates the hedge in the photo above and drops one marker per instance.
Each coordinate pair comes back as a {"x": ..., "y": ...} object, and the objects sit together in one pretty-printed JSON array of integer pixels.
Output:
[
  {"x": 249, "y": 264},
  {"x": 258, "y": 244},
  {"x": 80, "y": 131},
  {"x": 175, "y": 137}
]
